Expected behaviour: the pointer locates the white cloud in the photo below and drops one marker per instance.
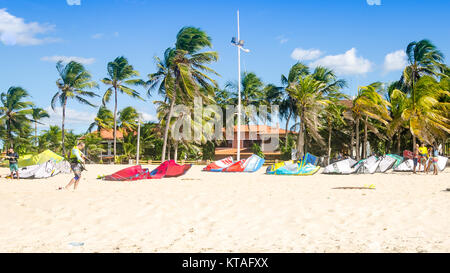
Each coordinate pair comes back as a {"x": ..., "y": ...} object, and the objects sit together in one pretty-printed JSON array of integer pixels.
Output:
[
  {"x": 97, "y": 36},
  {"x": 282, "y": 39},
  {"x": 395, "y": 61},
  {"x": 14, "y": 31},
  {"x": 300, "y": 54},
  {"x": 345, "y": 64},
  {"x": 74, "y": 118},
  {"x": 67, "y": 59},
  {"x": 73, "y": 2},
  {"x": 148, "y": 117},
  {"x": 374, "y": 2}
]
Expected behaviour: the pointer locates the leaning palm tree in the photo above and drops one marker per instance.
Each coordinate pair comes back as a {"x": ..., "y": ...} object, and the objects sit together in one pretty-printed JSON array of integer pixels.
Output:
[
  {"x": 186, "y": 74},
  {"x": 38, "y": 114},
  {"x": 369, "y": 103},
  {"x": 287, "y": 104},
  {"x": 423, "y": 59},
  {"x": 73, "y": 81},
  {"x": 14, "y": 110},
  {"x": 398, "y": 104},
  {"x": 120, "y": 79},
  {"x": 163, "y": 76},
  {"x": 333, "y": 114},
  {"x": 309, "y": 96}
]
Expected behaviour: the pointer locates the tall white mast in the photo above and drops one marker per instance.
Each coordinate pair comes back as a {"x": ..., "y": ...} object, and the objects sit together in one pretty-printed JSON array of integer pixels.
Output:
[
  {"x": 239, "y": 93},
  {"x": 240, "y": 46}
]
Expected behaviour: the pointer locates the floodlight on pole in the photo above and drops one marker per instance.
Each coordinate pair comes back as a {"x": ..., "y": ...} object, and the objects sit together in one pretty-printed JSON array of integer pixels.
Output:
[{"x": 240, "y": 46}]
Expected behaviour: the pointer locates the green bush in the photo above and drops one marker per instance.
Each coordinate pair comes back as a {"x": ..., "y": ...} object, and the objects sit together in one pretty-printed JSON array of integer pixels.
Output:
[{"x": 256, "y": 149}]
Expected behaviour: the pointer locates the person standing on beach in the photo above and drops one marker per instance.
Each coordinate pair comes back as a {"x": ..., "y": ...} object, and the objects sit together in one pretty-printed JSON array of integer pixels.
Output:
[
  {"x": 423, "y": 155},
  {"x": 430, "y": 161},
  {"x": 434, "y": 161},
  {"x": 416, "y": 157},
  {"x": 77, "y": 159},
  {"x": 13, "y": 167}
]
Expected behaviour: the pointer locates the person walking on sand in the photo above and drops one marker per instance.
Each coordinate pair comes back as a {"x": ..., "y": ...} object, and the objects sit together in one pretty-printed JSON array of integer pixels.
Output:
[
  {"x": 416, "y": 157},
  {"x": 77, "y": 159},
  {"x": 13, "y": 167}
]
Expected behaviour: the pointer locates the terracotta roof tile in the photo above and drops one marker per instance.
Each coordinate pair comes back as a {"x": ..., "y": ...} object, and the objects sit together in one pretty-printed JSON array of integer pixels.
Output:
[{"x": 108, "y": 134}]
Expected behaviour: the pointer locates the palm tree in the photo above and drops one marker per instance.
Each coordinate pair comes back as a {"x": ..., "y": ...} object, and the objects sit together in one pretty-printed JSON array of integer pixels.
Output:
[
  {"x": 398, "y": 104},
  {"x": 103, "y": 120},
  {"x": 14, "y": 110},
  {"x": 299, "y": 70},
  {"x": 334, "y": 114},
  {"x": 94, "y": 147},
  {"x": 22, "y": 142},
  {"x": 329, "y": 78},
  {"x": 185, "y": 71},
  {"x": 38, "y": 114},
  {"x": 163, "y": 77},
  {"x": 50, "y": 139},
  {"x": 423, "y": 59},
  {"x": 223, "y": 98},
  {"x": 287, "y": 104},
  {"x": 71, "y": 139},
  {"x": 73, "y": 81},
  {"x": 426, "y": 116},
  {"x": 369, "y": 104},
  {"x": 120, "y": 74},
  {"x": 128, "y": 119},
  {"x": 252, "y": 93},
  {"x": 309, "y": 96}
]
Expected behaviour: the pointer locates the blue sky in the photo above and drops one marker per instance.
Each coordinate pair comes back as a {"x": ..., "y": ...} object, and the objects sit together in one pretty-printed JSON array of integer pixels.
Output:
[{"x": 363, "y": 40}]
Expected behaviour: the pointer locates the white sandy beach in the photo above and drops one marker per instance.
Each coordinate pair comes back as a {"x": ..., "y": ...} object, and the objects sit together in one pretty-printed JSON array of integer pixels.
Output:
[{"x": 227, "y": 212}]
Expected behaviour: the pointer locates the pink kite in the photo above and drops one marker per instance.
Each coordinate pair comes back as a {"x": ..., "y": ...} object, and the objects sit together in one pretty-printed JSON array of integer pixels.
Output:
[{"x": 166, "y": 169}]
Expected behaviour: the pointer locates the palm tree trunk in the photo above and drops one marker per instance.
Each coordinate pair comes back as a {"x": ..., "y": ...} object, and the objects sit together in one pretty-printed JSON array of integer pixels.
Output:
[
  {"x": 398, "y": 142},
  {"x": 8, "y": 128},
  {"x": 62, "y": 127},
  {"x": 365, "y": 139},
  {"x": 175, "y": 154},
  {"x": 169, "y": 116},
  {"x": 352, "y": 142},
  {"x": 286, "y": 134},
  {"x": 387, "y": 147},
  {"x": 35, "y": 133},
  {"x": 168, "y": 151},
  {"x": 301, "y": 138},
  {"x": 166, "y": 130},
  {"x": 358, "y": 155},
  {"x": 329, "y": 141},
  {"x": 115, "y": 123},
  {"x": 305, "y": 145}
]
